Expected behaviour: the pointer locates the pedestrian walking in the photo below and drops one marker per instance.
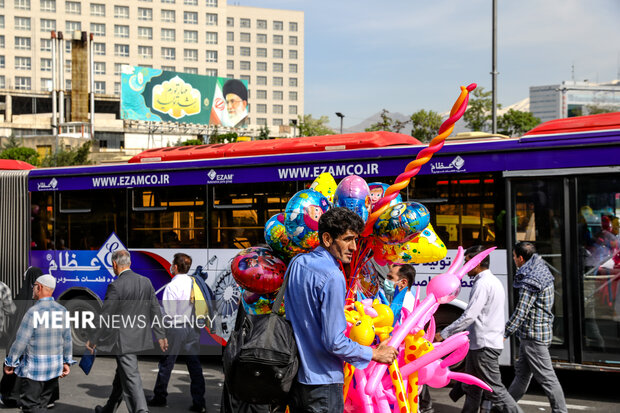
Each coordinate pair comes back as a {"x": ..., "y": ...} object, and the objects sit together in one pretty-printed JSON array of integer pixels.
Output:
[
  {"x": 132, "y": 296},
  {"x": 42, "y": 350},
  {"x": 532, "y": 321}
]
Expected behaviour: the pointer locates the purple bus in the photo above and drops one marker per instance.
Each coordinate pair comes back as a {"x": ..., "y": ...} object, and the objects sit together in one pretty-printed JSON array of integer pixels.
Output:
[{"x": 557, "y": 186}]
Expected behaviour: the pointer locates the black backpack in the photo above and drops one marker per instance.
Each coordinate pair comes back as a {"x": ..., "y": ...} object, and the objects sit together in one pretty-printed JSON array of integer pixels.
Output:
[{"x": 260, "y": 360}]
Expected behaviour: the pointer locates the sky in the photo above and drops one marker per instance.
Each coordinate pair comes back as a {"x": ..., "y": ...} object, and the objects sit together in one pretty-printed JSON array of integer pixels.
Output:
[{"x": 367, "y": 55}]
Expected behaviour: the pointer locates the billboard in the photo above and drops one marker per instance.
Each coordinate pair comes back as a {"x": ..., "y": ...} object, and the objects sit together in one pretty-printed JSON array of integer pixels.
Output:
[{"x": 157, "y": 95}]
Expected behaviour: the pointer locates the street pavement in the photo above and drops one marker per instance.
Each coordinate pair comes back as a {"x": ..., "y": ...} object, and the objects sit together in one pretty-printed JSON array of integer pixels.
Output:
[{"x": 585, "y": 391}]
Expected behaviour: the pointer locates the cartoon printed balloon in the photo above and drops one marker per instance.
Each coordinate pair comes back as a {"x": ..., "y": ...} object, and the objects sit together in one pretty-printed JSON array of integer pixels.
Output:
[
  {"x": 258, "y": 304},
  {"x": 426, "y": 247},
  {"x": 368, "y": 281},
  {"x": 401, "y": 222},
  {"x": 325, "y": 184},
  {"x": 377, "y": 190},
  {"x": 353, "y": 193},
  {"x": 277, "y": 238},
  {"x": 257, "y": 270},
  {"x": 301, "y": 217}
]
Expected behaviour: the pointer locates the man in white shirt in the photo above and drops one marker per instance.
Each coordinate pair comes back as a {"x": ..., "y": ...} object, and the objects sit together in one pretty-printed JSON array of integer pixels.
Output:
[
  {"x": 484, "y": 318},
  {"x": 183, "y": 336}
]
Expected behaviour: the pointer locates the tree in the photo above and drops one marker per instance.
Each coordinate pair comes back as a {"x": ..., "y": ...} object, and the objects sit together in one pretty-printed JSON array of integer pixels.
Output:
[
  {"x": 12, "y": 142},
  {"x": 308, "y": 126},
  {"x": 478, "y": 114},
  {"x": 597, "y": 109},
  {"x": 516, "y": 123},
  {"x": 69, "y": 157},
  {"x": 263, "y": 133},
  {"x": 21, "y": 154},
  {"x": 425, "y": 125},
  {"x": 385, "y": 124}
]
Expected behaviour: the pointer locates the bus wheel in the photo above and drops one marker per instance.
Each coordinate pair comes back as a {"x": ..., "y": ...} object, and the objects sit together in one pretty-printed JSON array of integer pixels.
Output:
[{"x": 79, "y": 335}]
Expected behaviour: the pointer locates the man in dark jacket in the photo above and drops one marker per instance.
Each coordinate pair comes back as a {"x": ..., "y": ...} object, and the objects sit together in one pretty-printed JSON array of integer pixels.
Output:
[{"x": 132, "y": 297}]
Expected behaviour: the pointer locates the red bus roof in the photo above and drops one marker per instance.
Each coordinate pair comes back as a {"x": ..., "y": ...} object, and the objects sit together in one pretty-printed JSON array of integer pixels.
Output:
[
  {"x": 602, "y": 121},
  {"x": 277, "y": 146},
  {"x": 9, "y": 164}
]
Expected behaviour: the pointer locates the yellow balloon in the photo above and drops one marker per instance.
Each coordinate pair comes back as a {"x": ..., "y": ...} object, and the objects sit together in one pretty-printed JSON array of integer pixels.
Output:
[
  {"x": 326, "y": 185},
  {"x": 426, "y": 247}
]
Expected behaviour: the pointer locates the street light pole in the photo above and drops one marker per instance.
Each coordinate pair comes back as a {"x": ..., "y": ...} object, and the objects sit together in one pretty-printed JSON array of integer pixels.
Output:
[
  {"x": 494, "y": 71},
  {"x": 341, "y": 116}
]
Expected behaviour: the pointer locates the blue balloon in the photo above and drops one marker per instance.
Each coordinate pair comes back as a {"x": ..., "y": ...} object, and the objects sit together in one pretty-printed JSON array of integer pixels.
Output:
[
  {"x": 401, "y": 223},
  {"x": 301, "y": 217},
  {"x": 353, "y": 193},
  {"x": 377, "y": 191}
]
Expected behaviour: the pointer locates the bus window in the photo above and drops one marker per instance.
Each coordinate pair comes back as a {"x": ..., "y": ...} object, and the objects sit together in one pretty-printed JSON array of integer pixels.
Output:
[
  {"x": 85, "y": 219},
  {"x": 42, "y": 219},
  {"x": 464, "y": 211},
  {"x": 168, "y": 217},
  {"x": 238, "y": 213}
]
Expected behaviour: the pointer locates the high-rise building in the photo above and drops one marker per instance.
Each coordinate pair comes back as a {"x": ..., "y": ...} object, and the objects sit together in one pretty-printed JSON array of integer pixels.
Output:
[
  {"x": 572, "y": 98},
  {"x": 207, "y": 37}
]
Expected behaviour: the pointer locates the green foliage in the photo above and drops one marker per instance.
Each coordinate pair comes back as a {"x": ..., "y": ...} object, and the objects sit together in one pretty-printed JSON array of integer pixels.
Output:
[
  {"x": 598, "y": 109},
  {"x": 478, "y": 114},
  {"x": 308, "y": 126},
  {"x": 11, "y": 143},
  {"x": 263, "y": 133},
  {"x": 387, "y": 123},
  {"x": 69, "y": 157},
  {"x": 21, "y": 154},
  {"x": 191, "y": 142},
  {"x": 516, "y": 123},
  {"x": 425, "y": 125}
]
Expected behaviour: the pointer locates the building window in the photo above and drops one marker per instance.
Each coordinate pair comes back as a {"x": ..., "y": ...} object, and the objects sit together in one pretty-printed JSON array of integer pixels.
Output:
[
  {"x": 211, "y": 56},
  {"x": 46, "y": 65},
  {"x": 261, "y": 52},
  {"x": 2, "y": 26},
  {"x": 244, "y": 23},
  {"x": 46, "y": 84},
  {"x": 246, "y": 78},
  {"x": 276, "y": 122},
  {"x": 230, "y": 36},
  {"x": 292, "y": 109},
  {"x": 47, "y": 25},
  {"x": 292, "y": 26},
  {"x": 121, "y": 31},
  {"x": 278, "y": 39},
  {"x": 190, "y": 17},
  {"x": 278, "y": 53},
  {"x": 292, "y": 96},
  {"x": 211, "y": 72},
  {"x": 100, "y": 87},
  {"x": 191, "y": 70},
  {"x": 46, "y": 45},
  {"x": 121, "y": 50},
  {"x": 278, "y": 25},
  {"x": 292, "y": 40},
  {"x": 292, "y": 54},
  {"x": 292, "y": 81},
  {"x": 145, "y": 52},
  {"x": 97, "y": 9},
  {"x": 121, "y": 12},
  {"x": 23, "y": 63},
  {"x": 68, "y": 65},
  {"x": 22, "y": 83},
  {"x": 22, "y": 23},
  {"x": 211, "y": 37},
  {"x": 22, "y": 43},
  {"x": 244, "y": 51},
  {"x": 190, "y": 2},
  {"x": 68, "y": 47},
  {"x": 99, "y": 49},
  {"x": 118, "y": 68},
  {"x": 190, "y": 36},
  {"x": 168, "y": 35},
  {"x": 211, "y": 19},
  {"x": 261, "y": 24},
  {"x": 99, "y": 68},
  {"x": 261, "y": 66},
  {"x": 145, "y": 14},
  {"x": 3, "y": 62},
  {"x": 244, "y": 65},
  {"x": 2, "y": 82},
  {"x": 292, "y": 68},
  {"x": 261, "y": 38},
  {"x": 261, "y": 121},
  {"x": 230, "y": 22},
  {"x": 211, "y": 3},
  {"x": 245, "y": 37},
  {"x": 278, "y": 81},
  {"x": 168, "y": 16},
  {"x": 278, "y": 67},
  {"x": 72, "y": 26},
  {"x": 168, "y": 1},
  {"x": 48, "y": 5},
  {"x": 22, "y": 4},
  {"x": 73, "y": 7},
  {"x": 261, "y": 108},
  {"x": 169, "y": 68},
  {"x": 117, "y": 88},
  {"x": 145, "y": 33},
  {"x": 190, "y": 55},
  {"x": 278, "y": 95},
  {"x": 261, "y": 94},
  {"x": 230, "y": 50},
  {"x": 97, "y": 29},
  {"x": 261, "y": 80},
  {"x": 230, "y": 65},
  {"x": 168, "y": 53}
]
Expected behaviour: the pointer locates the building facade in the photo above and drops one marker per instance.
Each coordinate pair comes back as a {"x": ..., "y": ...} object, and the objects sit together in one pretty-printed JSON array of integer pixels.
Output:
[
  {"x": 571, "y": 98},
  {"x": 207, "y": 37}
]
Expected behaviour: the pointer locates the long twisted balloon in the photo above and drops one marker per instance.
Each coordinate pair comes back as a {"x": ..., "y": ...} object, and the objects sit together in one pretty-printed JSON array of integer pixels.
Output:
[{"x": 458, "y": 109}]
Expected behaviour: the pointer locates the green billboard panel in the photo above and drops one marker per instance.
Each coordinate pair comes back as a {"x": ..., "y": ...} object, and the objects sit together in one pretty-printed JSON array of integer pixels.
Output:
[{"x": 160, "y": 96}]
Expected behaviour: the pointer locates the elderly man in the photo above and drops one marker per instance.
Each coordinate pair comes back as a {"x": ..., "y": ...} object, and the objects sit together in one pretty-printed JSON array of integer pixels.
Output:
[{"x": 42, "y": 349}]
